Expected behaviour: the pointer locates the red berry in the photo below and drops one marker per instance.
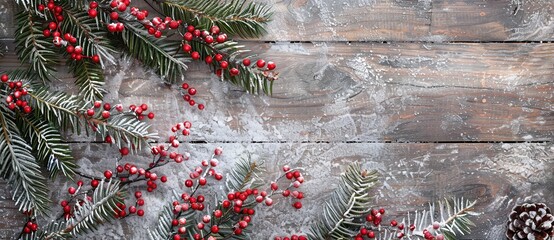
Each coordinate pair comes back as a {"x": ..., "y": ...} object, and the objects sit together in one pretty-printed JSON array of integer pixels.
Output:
[
  {"x": 158, "y": 34},
  {"x": 218, "y": 57},
  {"x": 107, "y": 106},
  {"x": 209, "y": 39},
  {"x": 140, "y": 212},
  {"x": 114, "y": 16},
  {"x": 71, "y": 190},
  {"x": 4, "y": 78},
  {"x": 52, "y": 25},
  {"x": 221, "y": 38},
  {"x": 224, "y": 64},
  {"x": 371, "y": 234},
  {"x": 92, "y": 13},
  {"x": 234, "y": 72},
  {"x": 297, "y": 205},
  {"x": 40, "y": 7},
  {"x": 173, "y": 24},
  {"x": 201, "y": 107},
  {"x": 93, "y": 4},
  {"x": 215, "y": 30},
  {"x": 246, "y": 62},
  {"x": 94, "y": 183},
  {"x": 192, "y": 102},
  {"x": 208, "y": 59},
  {"x": 215, "y": 229},
  {"x": 108, "y": 174},
  {"x": 46, "y": 33},
  {"x": 140, "y": 16},
  {"x": 188, "y": 36},
  {"x": 260, "y": 63},
  {"x": 27, "y": 109},
  {"x": 393, "y": 223},
  {"x": 132, "y": 209},
  {"x": 95, "y": 58},
  {"x": 188, "y": 183},
  {"x": 270, "y": 65},
  {"x": 190, "y": 28},
  {"x": 105, "y": 114},
  {"x": 192, "y": 91},
  {"x": 195, "y": 55},
  {"x": 124, "y": 151}
]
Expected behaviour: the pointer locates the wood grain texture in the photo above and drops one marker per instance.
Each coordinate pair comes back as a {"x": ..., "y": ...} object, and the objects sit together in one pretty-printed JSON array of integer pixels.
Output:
[
  {"x": 369, "y": 92},
  {"x": 427, "y": 20},
  {"x": 362, "y": 92},
  {"x": 496, "y": 175},
  {"x": 393, "y": 20}
]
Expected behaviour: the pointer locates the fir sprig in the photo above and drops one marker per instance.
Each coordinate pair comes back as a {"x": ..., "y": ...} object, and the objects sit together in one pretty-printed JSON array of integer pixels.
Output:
[
  {"x": 245, "y": 174},
  {"x": 350, "y": 202},
  {"x": 19, "y": 167},
  {"x": 90, "y": 214},
  {"x": 163, "y": 55},
  {"x": 48, "y": 145},
  {"x": 33, "y": 48},
  {"x": 235, "y": 17},
  {"x": 58, "y": 108},
  {"x": 89, "y": 77},
  {"x": 125, "y": 130}
]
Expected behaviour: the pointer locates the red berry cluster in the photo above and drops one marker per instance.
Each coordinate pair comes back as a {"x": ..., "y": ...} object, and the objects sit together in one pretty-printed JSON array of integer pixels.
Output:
[
  {"x": 117, "y": 5},
  {"x": 187, "y": 92},
  {"x": 63, "y": 39},
  {"x": 293, "y": 237},
  {"x": 401, "y": 231},
  {"x": 16, "y": 95},
  {"x": 102, "y": 111},
  {"x": 30, "y": 227}
]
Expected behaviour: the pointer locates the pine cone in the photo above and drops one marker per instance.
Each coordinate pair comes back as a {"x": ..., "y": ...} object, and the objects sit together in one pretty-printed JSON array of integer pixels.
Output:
[{"x": 530, "y": 221}]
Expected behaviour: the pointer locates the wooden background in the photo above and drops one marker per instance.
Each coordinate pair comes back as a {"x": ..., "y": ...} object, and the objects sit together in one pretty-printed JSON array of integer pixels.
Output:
[{"x": 443, "y": 97}]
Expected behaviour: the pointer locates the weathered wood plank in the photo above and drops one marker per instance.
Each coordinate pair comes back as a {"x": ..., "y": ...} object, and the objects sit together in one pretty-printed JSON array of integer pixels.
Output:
[
  {"x": 496, "y": 175},
  {"x": 371, "y": 92},
  {"x": 364, "y": 92},
  {"x": 391, "y": 20},
  {"x": 514, "y": 20}
]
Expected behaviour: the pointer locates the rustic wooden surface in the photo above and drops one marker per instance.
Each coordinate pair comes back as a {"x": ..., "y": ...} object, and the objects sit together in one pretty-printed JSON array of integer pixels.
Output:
[{"x": 438, "y": 112}]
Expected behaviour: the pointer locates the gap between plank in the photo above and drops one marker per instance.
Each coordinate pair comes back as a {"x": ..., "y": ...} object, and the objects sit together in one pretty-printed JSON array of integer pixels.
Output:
[{"x": 347, "y": 142}]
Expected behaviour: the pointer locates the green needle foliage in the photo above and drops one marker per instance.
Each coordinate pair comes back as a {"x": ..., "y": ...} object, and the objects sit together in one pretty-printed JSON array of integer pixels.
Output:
[
  {"x": 33, "y": 48},
  {"x": 20, "y": 168},
  {"x": 88, "y": 216},
  {"x": 235, "y": 17},
  {"x": 350, "y": 202},
  {"x": 162, "y": 55}
]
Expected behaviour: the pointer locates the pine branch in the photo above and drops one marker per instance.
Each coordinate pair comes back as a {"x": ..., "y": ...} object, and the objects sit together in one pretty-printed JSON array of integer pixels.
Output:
[
  {"x": 350, "y": 202},
  {"x": 88, "y": 216},
  {"x": 249, "y": 78},
  {"x": 125, "y": 128},
  {"x": 235, "y": 17},
  {"x": 19, "y": 167},
  {"x": 58, "y": 108},
  {"x": 89, "y": 77},
  {"x": 48, "y": 145},
  {"x": 33, "y": 48},
  {"x": 451, "y": 217},
  {"x": 162, "y": 55},
  {"x": 91, "y": 35},
  {"x": 244, "y": 175},
  {"x": 163, "y": 229}
]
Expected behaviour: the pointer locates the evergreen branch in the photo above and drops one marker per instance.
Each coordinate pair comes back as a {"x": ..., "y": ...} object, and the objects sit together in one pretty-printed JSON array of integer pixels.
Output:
[
  {"x": 244, "y": 175},
  {"x": 235, "y": 17},
  {"x": 125, "y": 128},
  {"x": 89, "y": 77},
  {"x": 32, "y": 47},
  {"x": 163, "y": 228},
  {"x": 350, "y": 202},
  {"x": 451, "y": 217},
  {"x": 18, "y": 166},
  {"x": 250, "y": 79},
  {"x": 91, "y": 213},
  {"x": 164, "y": 56},
  {"x": 48, "y": 145},
  {"x": 58, "y": 108},
  {"x": 93, "y": 38}
]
